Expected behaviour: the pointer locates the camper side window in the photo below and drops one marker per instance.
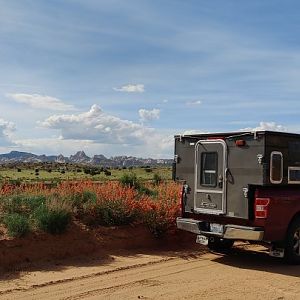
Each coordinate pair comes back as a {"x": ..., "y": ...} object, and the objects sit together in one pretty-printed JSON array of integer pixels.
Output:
[
  {"x": 276, "y": 167},
  {"x": 294, "y": 175},
  {"x": 209, "y": 164}
]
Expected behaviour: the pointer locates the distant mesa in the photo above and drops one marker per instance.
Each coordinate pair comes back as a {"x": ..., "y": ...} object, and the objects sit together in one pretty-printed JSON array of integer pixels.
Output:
[{"x": 81, "y": 158}]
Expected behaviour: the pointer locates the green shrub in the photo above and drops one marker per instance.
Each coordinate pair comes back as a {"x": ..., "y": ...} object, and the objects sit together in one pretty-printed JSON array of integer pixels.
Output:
[
  {"x": 79, "y": 199},
  {"x": 52, "y": 221},
  {"x": 157, "y": 179},
  {"x": 16, "y": 182},
  {"x": 108, "y": 213},
  {"x": 53, "y": 216},
  {"x": 157, "y": 224},
  {"x": 146, "y": 191},
  {"x": 34, "y": 202},
  {"x": 12, "y": 204},
  {"x": 22, "y": 204},
  {"x": 17, "y": 225},
  {"x": 130, "y": 180},
  {"x": 87, "y": 171}
]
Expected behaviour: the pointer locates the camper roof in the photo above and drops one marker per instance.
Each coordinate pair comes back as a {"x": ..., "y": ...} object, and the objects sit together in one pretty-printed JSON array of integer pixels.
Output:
[{"x": 237, "y": 134}]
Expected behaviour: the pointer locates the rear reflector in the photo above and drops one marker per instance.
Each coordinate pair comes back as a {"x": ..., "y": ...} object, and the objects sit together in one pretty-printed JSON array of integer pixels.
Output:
[
  {"x": 181, "y": 201},
  {"x": 240, "y": 143},
  {"x": 261, "y": 207}
]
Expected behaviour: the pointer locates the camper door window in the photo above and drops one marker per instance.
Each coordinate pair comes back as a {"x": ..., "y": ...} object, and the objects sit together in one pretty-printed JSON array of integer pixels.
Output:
[
  {"x": 209, "y": 169},
  {"x": 276, "y": 167}
]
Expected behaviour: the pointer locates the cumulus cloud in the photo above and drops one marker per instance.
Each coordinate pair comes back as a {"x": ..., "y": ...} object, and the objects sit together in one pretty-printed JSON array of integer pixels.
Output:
[
  {"x": 41, "y": 102},
  {"x": 149, "y": 115},
  {"x": 98, "y": 126},
  {"x": 6, "y": 130},
  {"x": 271, "y": 126},
  {"x": 131, "y": 88},
  {"x": 193, "y": 103},
  {"x": 99, "y": 130}
]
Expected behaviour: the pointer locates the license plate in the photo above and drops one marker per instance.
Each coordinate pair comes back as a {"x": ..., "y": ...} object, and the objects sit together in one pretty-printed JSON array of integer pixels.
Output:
[
  {"x": 217, "y": 228},
  {"x": 276, "y": 252},
  {"x": 201, "y": 239}
]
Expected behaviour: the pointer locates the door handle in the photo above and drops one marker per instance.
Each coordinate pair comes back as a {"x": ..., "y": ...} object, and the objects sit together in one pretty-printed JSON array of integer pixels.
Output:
[{"x": 220, "y": 181}]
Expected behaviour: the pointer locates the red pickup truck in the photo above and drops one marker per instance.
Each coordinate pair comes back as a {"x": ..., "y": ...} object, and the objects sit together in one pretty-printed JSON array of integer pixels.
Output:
[{"x": 241, "y": 186}]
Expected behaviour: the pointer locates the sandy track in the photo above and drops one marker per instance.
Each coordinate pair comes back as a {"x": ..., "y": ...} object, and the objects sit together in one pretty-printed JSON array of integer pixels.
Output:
[{"x": 242, "y": 274}]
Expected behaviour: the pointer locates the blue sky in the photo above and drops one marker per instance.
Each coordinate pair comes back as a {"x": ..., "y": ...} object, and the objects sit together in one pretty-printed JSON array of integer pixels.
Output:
[{"x": 122, "y": 77}]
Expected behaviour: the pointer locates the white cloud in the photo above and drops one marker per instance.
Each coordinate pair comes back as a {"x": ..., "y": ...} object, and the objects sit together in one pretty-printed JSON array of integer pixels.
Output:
[
  {"x": 6, "y": 127},
  {"x": 165, "y": 101},
  {"x": 193, "y": 103},
  {"x": 98, "y": 126},
  {"x": 149, "y": 115},
  {"x": 41, "y": 102},
  {"x": 98, "y": 130},
  {"x": 131, "y": 88},
  {"x": 6, "y": 130},
  {"x": 56, "y": 146},
  {"x": 271, "y": 126}
]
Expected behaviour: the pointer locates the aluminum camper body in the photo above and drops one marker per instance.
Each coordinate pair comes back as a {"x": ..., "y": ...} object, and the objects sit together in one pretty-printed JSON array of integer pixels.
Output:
[{"x": 223, "y": 175}]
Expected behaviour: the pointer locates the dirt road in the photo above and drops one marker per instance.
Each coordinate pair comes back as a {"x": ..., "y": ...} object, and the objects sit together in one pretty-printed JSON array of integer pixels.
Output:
[{"x": 246, "y": 273}]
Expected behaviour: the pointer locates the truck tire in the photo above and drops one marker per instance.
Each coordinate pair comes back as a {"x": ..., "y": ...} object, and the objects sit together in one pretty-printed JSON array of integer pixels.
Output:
[
  {"x": 292, "y": 245},
  {"x": 220, "y": 245}
]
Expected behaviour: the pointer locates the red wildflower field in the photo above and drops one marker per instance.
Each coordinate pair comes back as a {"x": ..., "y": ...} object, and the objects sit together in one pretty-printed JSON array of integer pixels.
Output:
[{"x": 94, "y": 203}]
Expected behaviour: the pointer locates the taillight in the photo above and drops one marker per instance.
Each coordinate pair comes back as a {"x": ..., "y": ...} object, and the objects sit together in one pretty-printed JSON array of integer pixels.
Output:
[{"x": 261, "y": 207}]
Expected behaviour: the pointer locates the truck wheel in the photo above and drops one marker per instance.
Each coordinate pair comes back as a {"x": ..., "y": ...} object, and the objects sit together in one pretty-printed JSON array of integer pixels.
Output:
[
  {"x": 292, "y": 246},
  {"x": 218, "y": 244}
]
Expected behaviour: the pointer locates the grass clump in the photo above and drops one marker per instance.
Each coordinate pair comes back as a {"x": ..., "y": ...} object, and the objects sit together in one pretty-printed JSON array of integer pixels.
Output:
[
  {"x": 52, "y": 221},
  {"x": 34, "y": 202},
  {"x": 22, "y": 204},
  {"x": 17, "y": 225},
  {"x": 53, "y": 217}
]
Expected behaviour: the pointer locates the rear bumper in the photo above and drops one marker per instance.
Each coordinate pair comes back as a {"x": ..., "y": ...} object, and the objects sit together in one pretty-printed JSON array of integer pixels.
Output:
[{"x": 230, "y": 231}]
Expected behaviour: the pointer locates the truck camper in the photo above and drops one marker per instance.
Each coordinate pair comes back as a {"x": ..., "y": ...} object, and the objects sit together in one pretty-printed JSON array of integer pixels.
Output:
[{"x": 241, "y": 186}]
